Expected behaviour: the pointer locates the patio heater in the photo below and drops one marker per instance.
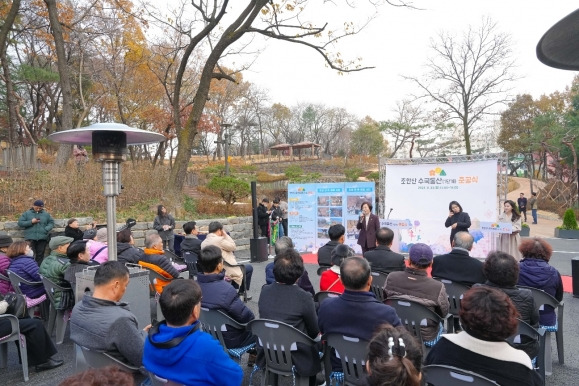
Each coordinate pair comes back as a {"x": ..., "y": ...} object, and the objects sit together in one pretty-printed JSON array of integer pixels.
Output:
[{"x": 109, "y": 146}]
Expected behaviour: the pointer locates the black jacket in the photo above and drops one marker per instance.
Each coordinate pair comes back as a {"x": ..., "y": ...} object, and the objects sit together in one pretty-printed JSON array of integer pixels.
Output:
[
  {"x": 191, "y": 244},
  {"x": 262, "y": 215},
  {"x": 462, "y": 221},
  {"x": 126, "y": 253},
  {"x": 459, "y": 267},
  {"x": 324, "y": 253},
  {"x": 383, "y": 259},
  {"x": 75, "y": 233}
]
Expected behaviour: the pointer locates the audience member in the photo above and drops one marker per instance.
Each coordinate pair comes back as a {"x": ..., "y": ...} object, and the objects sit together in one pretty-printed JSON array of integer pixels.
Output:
[
  {"x": 304, "y": 280},
  {"x": 126, "y": 250},
  {"x": 102, "y": 322},
  {"x": 502, "y": 272},
  {"x": 356, "y": 313},
  {"x": 537, "y": 273},
  {"x": 488, "y": 317},
  {"x": 97, "y": 244},
  {"x": 164, "y": 223},
  {"x": 220, "y": 295},
  {"x": 458, "y": 266},
  {"x": 55, "y": 264},
  {"x": 394, "y": 358},
  {"x": 37, "y": 224},
  {"x": 79, "y": 258},
  {"x": 414, "y": 284},
  {"x": 23, "y": 264},
  {"x": 5, "y": 242},
  {"x": 284, "y": 301},
  {"x": 105, "y": 376},
  {"x": 284, "y": 216},
  {"x": 263, "y": 213},
  {"x": 40, "y": 350},
  {"x": 73, "y": 230},
  {"x": 336, "y": 233},
  {"x": 178, "y": 350},
  {"x": 191, "y": 243},
  {"x": 382, "y": 258},
  {"x": 218, "y": 237},
  {"x": 330, "y": 279},
  {"x": 155, "y": 260}
]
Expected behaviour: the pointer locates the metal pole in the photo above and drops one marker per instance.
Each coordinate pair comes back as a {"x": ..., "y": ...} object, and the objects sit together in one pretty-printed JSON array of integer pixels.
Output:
[
  {"x": 111, "y": 191},
  {"x": 226, "y": 151}
]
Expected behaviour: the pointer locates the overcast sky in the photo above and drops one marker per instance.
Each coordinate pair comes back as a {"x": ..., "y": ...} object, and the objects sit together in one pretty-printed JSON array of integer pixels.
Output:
[{"x": 396, "y": 43}]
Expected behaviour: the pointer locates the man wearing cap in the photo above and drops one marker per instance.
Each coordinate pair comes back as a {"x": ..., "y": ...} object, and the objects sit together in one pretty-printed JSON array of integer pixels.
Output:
[
  {"x": 414, "y": 284},
  {"x": 37, "y": 224},
  {"x": 56, "y": 263},
  {"x": 5, "y": 242}
]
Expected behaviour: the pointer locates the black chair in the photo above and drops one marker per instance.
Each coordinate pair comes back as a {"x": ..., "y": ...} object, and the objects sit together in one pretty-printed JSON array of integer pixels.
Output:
[
  {"x": 55, "y": 317},
  {"x": 378, "y": 281},
  {"x": 40, "y": 301},
  {"x": 214, "y": 322},
  {"x": 97, "y": 359},
  {"x": 243, "y": 288},
  {"x": 323, "y": 295},
  {"x": 526, "y": 329},
  {"x": 352, "y": 353},
  {"x": 192, "y": 262},
  {"x": 278, "y": 339},
  {"x": 322, "y": 269},
  {"x": 455, "y": 292},
  {"x": 440, "y": 375}
]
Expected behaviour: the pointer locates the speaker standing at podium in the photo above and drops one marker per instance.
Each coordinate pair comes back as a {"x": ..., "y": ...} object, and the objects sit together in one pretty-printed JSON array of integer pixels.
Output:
[{"x": 368, "y": 225}]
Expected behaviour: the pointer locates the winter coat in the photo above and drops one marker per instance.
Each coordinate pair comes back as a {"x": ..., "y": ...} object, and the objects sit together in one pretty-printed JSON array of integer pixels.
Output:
[
  {"x": 99, "y": 251},
  {"x": 158, "y": 262},
  {"x": 26, "y": 267},
  {"x": 537, "y": 273},
  {"x": 75, "y": 233},
  {"x": 164, "y": 220},
  {"x": 38, "y": 231},
  {"x": 5, "y": 286},
  {"x": 191, "y": 244},
  {"x": 262, "y": 215},
  {"x": 53, "y": 267},
  {"x": 462, "y": 221},
  {"x": 127, "y": 253},
  {"x": 227, "y": 246}
]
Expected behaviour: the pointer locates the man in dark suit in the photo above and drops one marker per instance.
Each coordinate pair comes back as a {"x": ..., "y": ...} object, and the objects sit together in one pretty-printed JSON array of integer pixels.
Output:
[
  {"x": 191, "y": 243},
  {"x": 337, "y": 236},
  {"x": 457, "y": 265},
  {"x": 356, "y": 313},
  {"x": 382, "y": 258}
]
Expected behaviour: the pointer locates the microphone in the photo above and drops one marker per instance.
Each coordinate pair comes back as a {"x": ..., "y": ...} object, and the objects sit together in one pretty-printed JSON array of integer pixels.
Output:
[{"x": 389, "y": 213}]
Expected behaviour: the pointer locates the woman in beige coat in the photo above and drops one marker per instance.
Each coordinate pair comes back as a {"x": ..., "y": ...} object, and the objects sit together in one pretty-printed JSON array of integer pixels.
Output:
[{"x": 509, "y": 243}]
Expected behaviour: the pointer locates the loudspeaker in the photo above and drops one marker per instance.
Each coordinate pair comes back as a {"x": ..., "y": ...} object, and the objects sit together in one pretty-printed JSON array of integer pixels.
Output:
[
  {"x": 575, "y": 276},
  {"x": 258, "y": 249}
]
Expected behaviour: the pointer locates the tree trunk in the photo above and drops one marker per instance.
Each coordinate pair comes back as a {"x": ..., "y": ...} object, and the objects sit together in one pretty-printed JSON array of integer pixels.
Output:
[
  {"x": 64, "y": 151},
  {"x": 10, "y": 100}
]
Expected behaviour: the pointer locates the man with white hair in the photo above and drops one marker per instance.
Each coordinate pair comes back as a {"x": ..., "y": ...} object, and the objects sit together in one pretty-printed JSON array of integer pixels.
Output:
[{"x": 155, "y": 260}]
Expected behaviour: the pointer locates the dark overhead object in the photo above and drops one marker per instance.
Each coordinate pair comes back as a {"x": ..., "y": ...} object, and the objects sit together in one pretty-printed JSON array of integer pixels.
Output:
[{"x": 559, "y": 46}]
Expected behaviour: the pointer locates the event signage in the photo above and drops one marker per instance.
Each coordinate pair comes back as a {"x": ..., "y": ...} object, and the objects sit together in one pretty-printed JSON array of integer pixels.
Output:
[{"x": 496, "y": 227}]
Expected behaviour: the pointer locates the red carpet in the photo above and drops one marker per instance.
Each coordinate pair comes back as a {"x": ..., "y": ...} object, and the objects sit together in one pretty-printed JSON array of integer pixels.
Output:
[{"x": 312, "y": 258}]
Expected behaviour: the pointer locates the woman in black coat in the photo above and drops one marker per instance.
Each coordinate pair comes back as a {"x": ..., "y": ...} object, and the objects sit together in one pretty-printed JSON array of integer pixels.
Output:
[
  {"x": 457, "y": 219},
  {"x": 368, "y": 225},
  {"x": 73, "y": 230}
]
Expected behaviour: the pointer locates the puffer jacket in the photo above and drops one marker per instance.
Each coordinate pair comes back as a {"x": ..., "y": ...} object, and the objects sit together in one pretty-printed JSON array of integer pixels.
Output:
[
  {"x": 528, "y": 312},
  {"x": 53, "y": 268},
  {"x": 158, "y": 262},
  {"x": 127, "y": 253},
  {"x": 26, "y": 267},
  {"x": 537, "y": 273},
  {"x": 5, "y": 286},
  {"x": 38, "y": 231}
]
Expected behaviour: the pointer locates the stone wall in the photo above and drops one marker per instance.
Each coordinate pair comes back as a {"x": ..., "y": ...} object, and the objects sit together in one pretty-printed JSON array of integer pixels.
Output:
[{"x": 239, "y": 228}]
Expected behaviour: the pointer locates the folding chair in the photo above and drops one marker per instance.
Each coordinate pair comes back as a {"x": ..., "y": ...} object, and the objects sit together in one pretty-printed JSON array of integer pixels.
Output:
[
  {"x": 30, "y": 302},
  {"x": 55, "y": 317},
  {"x": 440, "y": 375},
  {"x": 319, "y": 297},
  {"x": 243, "y": 287},
  {"x": 97, "y": 359},
  {"x": 412, "y": 314},
  {"x": 215, "y": 323},
  {"x": 352, "y": 353},
  {"x": 526, "y": 329},
  {"x": 278, "y": 340},
  {"x": 14, "y": 336},
  {"x": 542, "y": 298},
  {"x": 378, "y": 281},
  {"x": 455, "y": 291}
]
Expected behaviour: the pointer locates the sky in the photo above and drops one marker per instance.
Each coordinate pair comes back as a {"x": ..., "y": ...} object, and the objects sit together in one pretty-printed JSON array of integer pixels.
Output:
[{"x": 397, "y": 43}]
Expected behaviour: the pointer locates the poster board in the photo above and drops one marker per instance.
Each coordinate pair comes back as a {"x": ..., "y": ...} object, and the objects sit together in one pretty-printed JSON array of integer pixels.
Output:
[
  {"x": 421, "y": 193},
  {"x": 313, "y": 208}
]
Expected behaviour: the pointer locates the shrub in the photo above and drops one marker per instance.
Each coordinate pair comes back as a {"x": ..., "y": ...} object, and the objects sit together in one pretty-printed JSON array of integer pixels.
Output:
[
  {"x": 374, "y": 176},
  {"x": 352, "y": 174},
  {"x": 569, "y": 220},
  {"x": 294, "y": 172},
  {"x": 230, "y": 189}
]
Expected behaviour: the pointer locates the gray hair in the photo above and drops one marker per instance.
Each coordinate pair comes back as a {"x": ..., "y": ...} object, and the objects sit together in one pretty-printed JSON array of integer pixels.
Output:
[
  {"x": 282, "y": 243},
  {"x": 463, "y": 240},
  {"x": 152, "y": 239}
]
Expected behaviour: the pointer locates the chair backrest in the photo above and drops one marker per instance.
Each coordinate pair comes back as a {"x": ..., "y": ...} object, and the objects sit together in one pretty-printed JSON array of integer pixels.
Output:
[
  {"x": 278, "y": 339},
  {"x": 541, "y": 297},
  {"x": 98, "y": 359},
  {"x": 158, "y": 381},
  {"x": 6, "y": 279},
  {"x": 352, "y": 353},
  {"x": 411, "y": 315},
  {"x": 214, "y": 322},
  {"x": 526, "y": 329},
  {"x": 440, "y": 375},
  {"x": 50, "y": 287},
  {"x": 171, "y": 255},
  {"x": 191, "y": 259},
  {"x": 323, "y": 295},
  {"x": 455, "y": 291},
  {"x": 17, "y": 281},
  {"x": 378, "y": 281},
  {"x": 14, "y": 328}
]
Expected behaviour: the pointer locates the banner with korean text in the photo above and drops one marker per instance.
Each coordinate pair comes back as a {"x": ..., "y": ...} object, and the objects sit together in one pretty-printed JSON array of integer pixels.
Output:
[
  {"x": 421, "y": 194},
  {"x": 313, "y": 208}
]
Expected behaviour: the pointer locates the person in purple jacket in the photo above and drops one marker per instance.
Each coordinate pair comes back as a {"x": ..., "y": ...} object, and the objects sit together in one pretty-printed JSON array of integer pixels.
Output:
[
  {"x": 5, "y": 242},
  {"x": 23, "y": 264},
  {"x": 536, "y": 272}
]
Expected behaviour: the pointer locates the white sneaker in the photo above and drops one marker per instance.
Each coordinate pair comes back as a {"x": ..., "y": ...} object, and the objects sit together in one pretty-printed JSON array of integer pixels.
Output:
[{"x": 271, "y": 257}]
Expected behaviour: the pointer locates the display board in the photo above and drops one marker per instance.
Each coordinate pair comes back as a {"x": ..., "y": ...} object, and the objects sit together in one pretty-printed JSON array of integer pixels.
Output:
[
  {"x": 313, "y": 208},
  {"x": 421, "y": 194}
]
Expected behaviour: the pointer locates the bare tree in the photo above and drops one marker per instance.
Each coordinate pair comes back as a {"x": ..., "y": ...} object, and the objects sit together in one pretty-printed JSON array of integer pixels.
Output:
[{"x": 470, "y": 77}]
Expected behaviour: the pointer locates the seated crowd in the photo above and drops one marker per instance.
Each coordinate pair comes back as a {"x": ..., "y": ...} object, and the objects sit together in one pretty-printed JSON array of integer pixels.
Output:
[{"x": 101, "y": 321}]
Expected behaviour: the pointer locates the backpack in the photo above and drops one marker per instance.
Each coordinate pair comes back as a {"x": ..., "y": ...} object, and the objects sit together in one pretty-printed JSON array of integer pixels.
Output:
[{"x": 16, "y": 305}]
